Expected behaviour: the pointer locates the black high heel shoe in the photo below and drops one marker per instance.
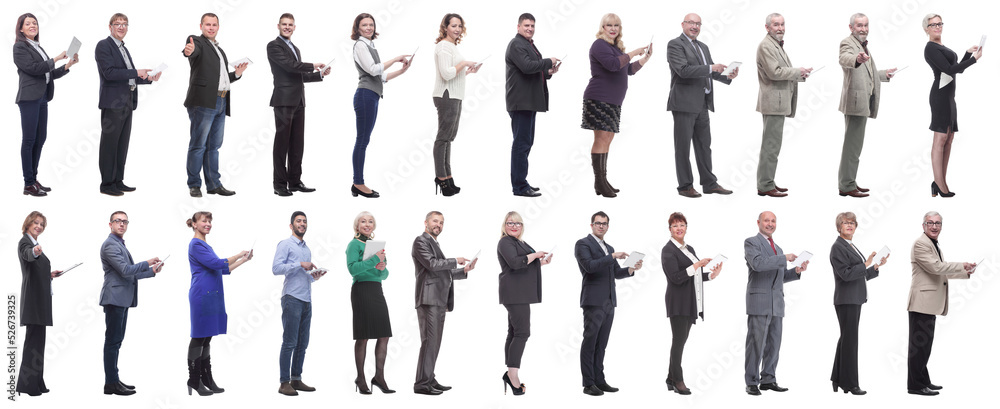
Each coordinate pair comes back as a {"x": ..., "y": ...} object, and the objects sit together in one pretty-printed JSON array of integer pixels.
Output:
[
  {"x": 935, "y": 191},
  {"x": 444, "y": 186},
  {"x": 506, "y": 383},
  {"x": 361, "y": 387},
  {"x": 355, "y": 192},
  {"x": 670, "y": 385},
  {"x": 855, "y": 391},
  {"x": 451, "y": 181},
  {"x": 837, "y": 386},
  {"x": 383, "y": 388}
]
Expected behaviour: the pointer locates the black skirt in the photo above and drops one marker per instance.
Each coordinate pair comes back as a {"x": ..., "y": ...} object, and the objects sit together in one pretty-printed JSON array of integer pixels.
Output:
[
  {"x": 601, "y": 116},
  {"x": 371, "y": 313}
]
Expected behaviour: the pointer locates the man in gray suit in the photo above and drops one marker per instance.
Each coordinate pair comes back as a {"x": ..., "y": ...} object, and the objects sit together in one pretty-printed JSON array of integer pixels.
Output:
[
  {"x": 691, "y": 97},
  {"x": 435, "y": 295},
  {"x": 119, "y": 293},
  {"x": 858, "y": 101},
  {"x": 776, "y": 99},
  {"x": 768, "y": 268}
]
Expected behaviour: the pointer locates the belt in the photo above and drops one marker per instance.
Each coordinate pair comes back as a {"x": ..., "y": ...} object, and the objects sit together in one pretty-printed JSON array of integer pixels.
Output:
[{"x": 223, "y": 93}]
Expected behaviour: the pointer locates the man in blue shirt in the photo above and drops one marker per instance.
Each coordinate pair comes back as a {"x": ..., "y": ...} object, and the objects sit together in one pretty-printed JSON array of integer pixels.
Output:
[{"x": 293, "y": 260}]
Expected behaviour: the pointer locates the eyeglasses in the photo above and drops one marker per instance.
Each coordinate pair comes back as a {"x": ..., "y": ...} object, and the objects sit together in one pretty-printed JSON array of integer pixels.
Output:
[
  {"x": 933, "y": 224},
  {"x": 120, "y": 221},
  {"x": 693, "y": 23},
  {"x": 514, "y": 224},
  {"x": 936, "y": 25},
  {"x": 849, "y": 223},
  {"x": 600, "y": 224},
  {"x": 120, "y": 25}
]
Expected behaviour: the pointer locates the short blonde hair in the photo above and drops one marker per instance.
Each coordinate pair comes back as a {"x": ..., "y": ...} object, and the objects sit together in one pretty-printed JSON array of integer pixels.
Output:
[
  {"x": 846, "y": 216},
  {"x": 357, "y": 222},
  {"x": 31, "y": 219},
  {"x": 612, "y": 18},
  {"x": 515, "y": 217},
  {"x": 928, "y": 18}
]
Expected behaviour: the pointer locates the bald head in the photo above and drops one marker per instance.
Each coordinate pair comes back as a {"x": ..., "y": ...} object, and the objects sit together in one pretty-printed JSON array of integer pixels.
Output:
[
  {"x": 691, "y": 26},
  {"x": 767, "y": 222}
]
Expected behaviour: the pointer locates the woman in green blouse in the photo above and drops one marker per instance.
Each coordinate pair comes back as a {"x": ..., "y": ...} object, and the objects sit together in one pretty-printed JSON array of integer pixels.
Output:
[{"x": 371, "y": 314}]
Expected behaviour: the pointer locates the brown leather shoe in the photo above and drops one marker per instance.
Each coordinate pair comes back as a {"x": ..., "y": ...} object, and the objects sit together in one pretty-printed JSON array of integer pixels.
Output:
[
  {"x": 299, "y": 386},
  {"x": 287, "y": 390},
  {"x": 33, "y": 190},
  {"x": 689, "y": 192},
  {"x": 719, "y": 190},
  {"x": 853, "y": 193},
  {"x": 780, "y": 189},
  {"x": 863, "y": 190},
  {"x": 773, "y": 193}
]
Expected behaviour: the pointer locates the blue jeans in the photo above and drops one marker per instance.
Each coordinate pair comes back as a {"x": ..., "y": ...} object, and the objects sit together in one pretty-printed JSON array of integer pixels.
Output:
[
  {"x": 114, "y": 319},
  {"x": 296, "y": 316},
  {"x": 522, "y": 123},
  {"x": 207, "y": 128},
  {"x": 34, "y": 122},
  {"x": 366, "y": 110}
]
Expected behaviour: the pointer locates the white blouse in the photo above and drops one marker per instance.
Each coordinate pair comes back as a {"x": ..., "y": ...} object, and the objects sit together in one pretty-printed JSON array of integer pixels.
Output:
[
  {"x": 446, "y": 57},
  {"x": 365, "y": 59}
]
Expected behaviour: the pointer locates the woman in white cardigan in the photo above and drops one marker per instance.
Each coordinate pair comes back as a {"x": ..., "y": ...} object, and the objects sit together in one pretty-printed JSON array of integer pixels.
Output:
[{"x": 449, "y": 90}]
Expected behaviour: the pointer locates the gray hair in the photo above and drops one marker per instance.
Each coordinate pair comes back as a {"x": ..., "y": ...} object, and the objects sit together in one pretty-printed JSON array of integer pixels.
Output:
[
  {"x": 928, "y": 18},
  {"x": 846, "y": 216},
  {"x": 855, "y": 17},
  {"x": 767, "y": 20},
  {"x": 357, "y": 221},
  {"x": 932, "y": 214}
]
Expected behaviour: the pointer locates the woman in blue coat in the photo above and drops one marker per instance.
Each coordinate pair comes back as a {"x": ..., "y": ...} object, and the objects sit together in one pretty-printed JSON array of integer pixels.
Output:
[{"x": 208, "y": 304}]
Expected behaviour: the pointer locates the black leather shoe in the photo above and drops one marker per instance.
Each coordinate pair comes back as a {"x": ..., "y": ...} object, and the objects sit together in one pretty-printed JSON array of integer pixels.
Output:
[
  {"x": 355, "y": 192},
  {"x": 34, "y": 191},
  {"x": 221, "y": 191},
  {"x": 127, "y": 386},
  {"x": 528, "y": 192},
  {"x": 930, "y": 386},
  {"x": 856, "y": 391},
  {"x": 537, "y": 189},
  {"x": 719, "y": 190},
  {"x": 282, "y": 191},
  {"x": 117, "y": 389},
  {"x": 923, "y": 392},
  {"x": 111, "y": 192},
  {"x": 427, "y": 391},
  {"x": 124, "y": 188},
  {"x": 300, "y": 188},
  {"x": 752, "y": 390},
  {"x": 689, "y": 192},
  {"x": 592, "y": 390},
  {"x": 441, "y": 387},
  {"x": 606, "y": 388},
  {"x": 194, "y": 191},
  {"x": 772, "y": 387},
  {"x": 46, "y": 190}
]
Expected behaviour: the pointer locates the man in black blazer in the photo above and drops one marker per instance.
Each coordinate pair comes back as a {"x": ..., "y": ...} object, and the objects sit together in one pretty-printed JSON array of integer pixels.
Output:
[
  {"x": 118, "y": 98},
  {"x": 434, "y": 296},
  {"x": 527, "y": 94},
  {"x": 207, "y": 103},
  {"x": 289, "y": 102},
  {"x": 596, "y": 260}
]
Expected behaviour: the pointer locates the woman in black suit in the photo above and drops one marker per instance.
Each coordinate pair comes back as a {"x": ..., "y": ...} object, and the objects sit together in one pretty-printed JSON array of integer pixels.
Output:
[
  {"x": 36, "y": 304},
  {"x": 851, "y": 270},
  {"x": 944, "y": 113},
  {"x": 520, "y": 286},
  {"x": 35, "y": 72},
  {"x": 685, "y": 294}
]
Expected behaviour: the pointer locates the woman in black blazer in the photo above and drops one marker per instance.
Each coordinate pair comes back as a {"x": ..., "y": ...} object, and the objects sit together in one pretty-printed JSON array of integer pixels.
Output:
[
  {"x": 36, "y": 304},
  {"x": 520, "y": 286},
  {"x": 850, "y": 272},
  {"x": 685, "y": 294},
  {"x": 35, "y": 72}
]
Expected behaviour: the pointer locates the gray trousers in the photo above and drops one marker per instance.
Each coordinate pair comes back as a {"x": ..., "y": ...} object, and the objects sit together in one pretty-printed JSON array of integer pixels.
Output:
[
  {"x": 770, "y": 145},
  {"x": 763, "y": 335},
  {"x": 693, "y": 128},
  {"x": 449, "y": 112},
  {"x": 431, "y": 320},
  {"x": 850, "y": 157}
]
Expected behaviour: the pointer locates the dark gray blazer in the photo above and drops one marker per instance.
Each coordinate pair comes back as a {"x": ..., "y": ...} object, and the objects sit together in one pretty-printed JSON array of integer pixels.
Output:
[
  {"x": 203, "y": 85},
  {"x": 36, "y": 285},
  {"x": 114, "y": 75},
  {"x": 121, "y": 275},
  {"x": 599, "y": 272},
  {"x": 680, "y": 298},
  {"x": 31, "y": 69},
  {"x": 520, "y": 281},
  {"x": 527, "y": 72},
  {"x": 849, "y": 274},
  {"x": 687, "y": 77},
  {"x": 435, "y": 273},
  {"x": 768, "y": 274},
  {"x": 289, "y": 74}
]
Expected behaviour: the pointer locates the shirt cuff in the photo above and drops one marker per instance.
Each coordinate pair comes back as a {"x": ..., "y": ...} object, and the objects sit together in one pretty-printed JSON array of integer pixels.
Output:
[{"x": 691, "y": 271}]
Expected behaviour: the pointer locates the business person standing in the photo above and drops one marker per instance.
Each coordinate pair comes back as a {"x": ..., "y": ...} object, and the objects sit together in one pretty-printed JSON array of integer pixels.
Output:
[
  {"x": 692, "y": 96},
  {"x": 118, "y": 98},
  {"x": 208, "y": 104},
  {"x": 851, "y": 271},
  {"x": 36, "y": 304},
  {"x": 119, "y": 293},
  {"x": 35, "y": 74},
  {"x": 289, "y": 102},
  {"x": 685, "y": 297},
  {"x": 928, "y": 299},
  {"x": 858, "y": 101},
  {"x": 449, "y": 90},
  {"x": 768, "y": 269},
  {"x": 370, "y": 311},
  {"x": 526, "y": 93},
  {"x": 520, "y": 286},
  {"x": 598, "y": 298},
  {"x": 776, "y": 99},
  {"x": 944, "y": 112},
  {"x": 434, "y": 297}
]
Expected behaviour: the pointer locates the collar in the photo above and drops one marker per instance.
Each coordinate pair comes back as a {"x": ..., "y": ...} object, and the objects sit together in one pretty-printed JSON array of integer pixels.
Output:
[
  {"x": 297, "y": 240},
  {"x": 599, "y": 241},
  {"x": 115, "y": 236},
  {"x": 286, "y": 40},
  {"x": 365, "y": 40},
  {"x": 33, "y": 241},
  {"x": 119, "y": 43},
  {"x": 678, "y": 244},
  {"x": 32, "y": 42}
]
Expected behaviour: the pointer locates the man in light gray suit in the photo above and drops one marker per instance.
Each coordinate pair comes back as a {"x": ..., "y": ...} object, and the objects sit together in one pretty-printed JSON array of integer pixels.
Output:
[
  {"x": 858, "y": 101},
  {"x": 776, "y": 99},
  {"x": 691, "y": 97},
  {"x": 768, "y": 268},
  {"x": 435, "y": 295},
  {"x": 119, "y": 293}
]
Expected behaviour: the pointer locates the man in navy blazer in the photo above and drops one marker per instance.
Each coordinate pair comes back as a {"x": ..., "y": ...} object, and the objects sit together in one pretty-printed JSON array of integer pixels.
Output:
[
  {"x": 596, "y": 260},
  {"x": 768, "y": 269},
  {"x": 119, "y": 293},
  {"x": 118, "y": 98}
]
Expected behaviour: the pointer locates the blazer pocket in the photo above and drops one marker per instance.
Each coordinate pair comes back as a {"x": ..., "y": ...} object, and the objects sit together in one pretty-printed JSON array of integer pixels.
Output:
[
  {"x": 753, "y": 290},
  {"x": 927, "y": 287},
  {"x": 201, "y": 82}
]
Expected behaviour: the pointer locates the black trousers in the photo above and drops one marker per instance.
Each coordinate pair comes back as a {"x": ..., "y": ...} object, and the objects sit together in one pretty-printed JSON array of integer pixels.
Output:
[
  {"x": 921, "y": 341},
  {"x": 29, "y": 378},
  {"x": 680, "y": 327},
  {"x": 597, "y": 320},
  {"x": 518, "y": 331},
  {"x": 116, "y": 130},
  {"x": 289, "y": 144},
  {"x": 845, "y": 361}
]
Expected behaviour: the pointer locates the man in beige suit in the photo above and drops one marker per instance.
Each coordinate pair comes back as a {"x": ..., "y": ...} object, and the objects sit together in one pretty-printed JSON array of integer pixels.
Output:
[
  {"x": 928, "y": 298},
  {"x": 858, "y": 101},
  {"x": 779, "y": 89}
]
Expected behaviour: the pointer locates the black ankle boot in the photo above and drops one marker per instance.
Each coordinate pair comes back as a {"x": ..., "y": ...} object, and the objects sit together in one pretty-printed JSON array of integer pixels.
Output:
[{"x": 444, "y": 186}]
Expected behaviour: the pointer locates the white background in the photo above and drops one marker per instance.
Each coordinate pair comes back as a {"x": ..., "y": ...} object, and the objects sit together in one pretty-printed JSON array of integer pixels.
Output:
[{"x": 895, "y": 165}]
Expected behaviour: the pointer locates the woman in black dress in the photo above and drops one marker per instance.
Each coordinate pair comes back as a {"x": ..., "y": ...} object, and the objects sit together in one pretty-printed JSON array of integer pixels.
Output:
[{"x": 944, "y": 113}]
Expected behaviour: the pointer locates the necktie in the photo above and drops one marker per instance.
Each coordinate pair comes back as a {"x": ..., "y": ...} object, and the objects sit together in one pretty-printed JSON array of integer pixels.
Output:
[
  {"x": 772, "y": 246},
  {"x": 701, "y": 53},
  {"x": 781, "y": 43}
]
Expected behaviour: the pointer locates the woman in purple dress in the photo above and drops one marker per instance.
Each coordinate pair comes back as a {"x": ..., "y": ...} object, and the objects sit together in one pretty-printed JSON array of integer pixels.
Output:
[{"x": 208, "y": 304}]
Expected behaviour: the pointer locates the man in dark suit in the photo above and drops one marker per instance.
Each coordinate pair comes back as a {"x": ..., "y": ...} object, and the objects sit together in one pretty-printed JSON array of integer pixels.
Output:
[
  {"x": 768, "y": 269},
  {"x": 527, "y": 94},
  {"x": 599, "y": 269},
  {"x": 118, "y": 98},
  {"x": 435, "y": 295},
  {"x": 119, "y": 293},
  {"x": 289, "y": 102},
  {"x": 691, "y": 97},
  {"x": 207, "y": 103}
]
